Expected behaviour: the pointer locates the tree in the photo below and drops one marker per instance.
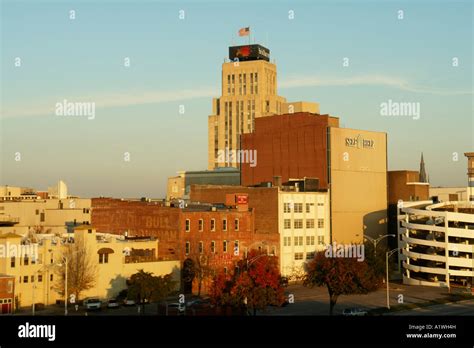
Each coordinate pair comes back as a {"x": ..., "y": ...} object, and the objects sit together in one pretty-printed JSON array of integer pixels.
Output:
[
  {"x": 197, "y": 268},
  {"x": 341, "y": 276},
  {"x": 145, "y": 287},
  {"x": 255, "y": 286},
  {"x": 81, "y": 269}
]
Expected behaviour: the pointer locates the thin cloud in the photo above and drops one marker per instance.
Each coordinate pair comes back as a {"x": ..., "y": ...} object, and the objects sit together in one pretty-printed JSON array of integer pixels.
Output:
[
  {"x": 367, "y": 80},
  {"x": 155, "y": 97},
  {"x": 113, "y": 100}
]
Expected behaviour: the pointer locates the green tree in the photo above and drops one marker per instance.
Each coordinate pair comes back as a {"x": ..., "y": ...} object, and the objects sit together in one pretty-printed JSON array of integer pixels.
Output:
[
  {"x": 341, "y": 276},
  {"x": 145, "y": 287}
]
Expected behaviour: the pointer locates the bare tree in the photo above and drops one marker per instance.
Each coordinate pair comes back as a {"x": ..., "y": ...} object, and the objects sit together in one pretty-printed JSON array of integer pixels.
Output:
[{"x": 81, "y": 269}]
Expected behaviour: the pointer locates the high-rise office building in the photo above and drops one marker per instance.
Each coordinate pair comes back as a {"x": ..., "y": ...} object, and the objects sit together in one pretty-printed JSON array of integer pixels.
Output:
[{"x": 249, "y": 91}]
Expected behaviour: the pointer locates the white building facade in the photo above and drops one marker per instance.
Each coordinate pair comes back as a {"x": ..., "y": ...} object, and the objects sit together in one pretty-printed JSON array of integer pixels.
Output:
[
  {"x": 436, "y": 243},
  {"x": 304, "y": 229}
]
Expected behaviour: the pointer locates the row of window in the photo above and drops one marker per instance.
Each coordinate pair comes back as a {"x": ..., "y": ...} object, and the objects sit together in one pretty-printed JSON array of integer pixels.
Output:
[
  {"x": 298, "y": 207},
  {"x": 213, "y": 247},
  {"x": 298, "y": 223},
  {"x": 25, "y": 279},
  {"x": 25, "y": 261},
  {"x": 298, "y": 240},
  {"x": 242, "y": 84},
  {"x": 212, "y": 225},
  {"x": 309, "y": 256}
]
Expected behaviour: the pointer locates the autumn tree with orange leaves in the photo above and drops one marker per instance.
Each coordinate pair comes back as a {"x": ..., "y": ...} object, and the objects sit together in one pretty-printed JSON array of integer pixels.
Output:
[
  {"x": 341, "y": 276},
  {"x": 256, "y": 284}
]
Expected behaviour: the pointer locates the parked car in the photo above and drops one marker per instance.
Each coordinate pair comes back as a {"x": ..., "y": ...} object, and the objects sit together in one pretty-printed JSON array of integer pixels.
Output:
[
  {"x": 200, "y": 303},
  {"x": 113, "y": 303},
  {"x": 128, "y": 302},
  {"x": 179, "y": 308},
  {"x": 354, "y": 312},
  {"x": 93, "y": 304}
]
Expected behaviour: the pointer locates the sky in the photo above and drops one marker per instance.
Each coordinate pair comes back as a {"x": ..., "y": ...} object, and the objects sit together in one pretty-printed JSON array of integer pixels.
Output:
[{"x": 177, "y": 61}]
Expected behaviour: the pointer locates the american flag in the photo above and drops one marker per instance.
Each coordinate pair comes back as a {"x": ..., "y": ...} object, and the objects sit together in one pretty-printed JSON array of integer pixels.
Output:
[{"x": 244, "y": 31}]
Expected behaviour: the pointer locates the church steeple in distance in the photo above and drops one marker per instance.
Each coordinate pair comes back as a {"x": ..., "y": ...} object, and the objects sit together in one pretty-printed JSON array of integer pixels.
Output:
[{"x": 423, "y": 177}]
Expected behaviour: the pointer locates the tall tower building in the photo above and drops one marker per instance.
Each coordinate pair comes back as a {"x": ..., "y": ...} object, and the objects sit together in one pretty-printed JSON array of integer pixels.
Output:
[
  {"x": 249, "y": 91},
  {"x": 423, "y": 177},
  {"x": 470, "y": 175}
]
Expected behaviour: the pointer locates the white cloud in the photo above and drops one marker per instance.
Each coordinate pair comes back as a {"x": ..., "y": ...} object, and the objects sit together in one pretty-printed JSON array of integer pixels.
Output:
[
  {"x": 111, "y": 100},
  {"x": 366, "y": 80},
  {"x": 154, "y": 97}
]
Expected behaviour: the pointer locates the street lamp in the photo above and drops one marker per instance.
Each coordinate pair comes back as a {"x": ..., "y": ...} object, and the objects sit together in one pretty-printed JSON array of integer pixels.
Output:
[
  {"x": 387, "y": 255},
  {"x": 65, "y": 258},
  {"x": 375, "y": 241},
  {"x": 35, "y": 277}
]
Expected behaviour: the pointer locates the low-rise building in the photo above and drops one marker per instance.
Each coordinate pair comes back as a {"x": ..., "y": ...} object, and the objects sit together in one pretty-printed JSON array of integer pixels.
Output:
[
  {"x": 35, "y": 263},
  {"x": 179, "y": 186},
  {"x": 7, "y": 294}
]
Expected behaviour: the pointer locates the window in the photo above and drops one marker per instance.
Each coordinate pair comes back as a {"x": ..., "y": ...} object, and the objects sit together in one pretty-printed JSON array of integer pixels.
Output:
[
  {"x": 298, "y": 207},
  {"x": 213, "y": 247},
  {"x": 298, "y": 256},
  {"x": 40, "y": 278},
  {"x": 104, "y": 258},
  {"x": 51, "y": 277},
  {"x": 320, "y": 223},
  {"x": 25, "y": 279},
  {"x": 287, "y": 224},
  {"x": 201, "y": 225},
  {"x": 298, "y": 223},
  {"x": 224, "y": 225},
  {"x": 308, "y": 207},
  {"x": 320, "y": 204},
  {"x": 225, "y": 270},
  {"x": 32, "y": 278},
  {"x": 224, "y": 244},
  {"x": 310, "y": 223},
  {"x": 236, "y": 224},
  {"x": 236, "y": 248},
  {"x": 12, "y": 262},
  {"x": 188, "y": 248},
  {"x": 213, "y": 224},
  {"x": 25, "y": 260},
  {"x": 320, "y": 240},
  {"x": 42, "y": 217},
  {"x": 299, "y": 241},
  {"x": 286, "y": 241},
  {"x": 201, "y": 247},
  {"x": 310, "y": 256},
  {"x": 37, "y": 212},
  {"x": 287, "y": 207},
  {"x": 309, "y": 240},
  {"x": 188, "y": 225}
]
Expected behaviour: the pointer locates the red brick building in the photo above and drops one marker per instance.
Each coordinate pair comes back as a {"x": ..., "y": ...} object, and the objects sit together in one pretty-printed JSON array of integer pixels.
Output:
[
  {"x": 263, "y": 200},
  {"x": 216, "y": 235},
  {"x": 290, "y": 146},
  {"x": 7, "y": 294},
  {"x": 138, "y": 218}
]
